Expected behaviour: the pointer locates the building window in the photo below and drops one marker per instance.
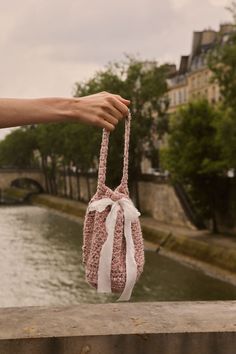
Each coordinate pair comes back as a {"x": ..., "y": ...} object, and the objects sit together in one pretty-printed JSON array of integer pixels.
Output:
[
  {"x": 180, "y": 96},
  {"x": 184, "y": 95},
  {"x": 170, "y": 99},
  {"x": 213, "y": 92},
  {"x": 199, "y": 80},
  {"x": 174, "y": 103},
  {"x": 176, "y": 98}
]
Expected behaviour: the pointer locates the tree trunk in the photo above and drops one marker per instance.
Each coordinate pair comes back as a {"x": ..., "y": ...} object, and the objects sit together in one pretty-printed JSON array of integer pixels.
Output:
[
  {"x": 213, "y": 201},
  {"x": 88, "y": 186},
  {"x": 78, "y": 184},
  {"x": 45, "y": 172},
  {"x": 54, "y": 182},
  {"x": 137, "y": 194},
  {"x": 64, "y": 179},
  {"x": 70, "y": 183}
]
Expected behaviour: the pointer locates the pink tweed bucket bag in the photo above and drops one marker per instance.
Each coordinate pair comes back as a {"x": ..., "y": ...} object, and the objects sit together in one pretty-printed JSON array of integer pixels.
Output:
[{"x": 113, "y": 251}]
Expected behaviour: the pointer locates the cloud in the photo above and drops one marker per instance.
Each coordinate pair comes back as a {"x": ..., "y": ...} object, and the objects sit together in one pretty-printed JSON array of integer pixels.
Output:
[
  {"x": 179, "y": 4},
  {"x": 220, "y": 2},
  {"x": 48, "y": 45},
  {"x": 74, "y": 30}
]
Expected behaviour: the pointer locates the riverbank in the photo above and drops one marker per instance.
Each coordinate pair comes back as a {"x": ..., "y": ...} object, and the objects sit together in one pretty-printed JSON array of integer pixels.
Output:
[{"x": 215, "y": 254}]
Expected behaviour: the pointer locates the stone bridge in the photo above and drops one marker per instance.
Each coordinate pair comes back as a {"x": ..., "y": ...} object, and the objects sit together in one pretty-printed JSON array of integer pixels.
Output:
[
  {"x": 196, "y": 327},
  {"x": 10, "y": 177}
]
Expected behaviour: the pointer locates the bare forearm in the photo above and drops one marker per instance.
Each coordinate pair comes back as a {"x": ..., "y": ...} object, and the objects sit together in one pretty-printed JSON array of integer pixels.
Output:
[
  {"x": 101, "y": 109},
  {"x": 14, "y": 112}
]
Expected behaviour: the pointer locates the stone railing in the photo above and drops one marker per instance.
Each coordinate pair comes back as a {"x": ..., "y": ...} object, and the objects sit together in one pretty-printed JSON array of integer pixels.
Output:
[{"x": 128, "y": 328}]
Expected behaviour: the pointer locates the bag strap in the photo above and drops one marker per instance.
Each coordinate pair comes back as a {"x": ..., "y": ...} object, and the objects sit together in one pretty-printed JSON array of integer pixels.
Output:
[{"x": 103, "y": 157}]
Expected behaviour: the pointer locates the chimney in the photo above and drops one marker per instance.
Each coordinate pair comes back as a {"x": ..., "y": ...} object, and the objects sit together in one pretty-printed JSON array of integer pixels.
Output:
[
  {"x": 227, "y": 28},
  {"x": 196, "y": 42},
  {"x": 208, "y": 36}
]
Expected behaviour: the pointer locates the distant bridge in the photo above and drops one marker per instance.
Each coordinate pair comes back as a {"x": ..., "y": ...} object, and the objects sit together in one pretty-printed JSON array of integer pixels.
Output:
[{"x": 15, "y": 177}]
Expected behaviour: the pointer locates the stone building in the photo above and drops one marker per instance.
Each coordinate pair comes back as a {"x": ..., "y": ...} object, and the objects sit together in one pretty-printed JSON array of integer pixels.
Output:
[{"x": 192, "y": 80}]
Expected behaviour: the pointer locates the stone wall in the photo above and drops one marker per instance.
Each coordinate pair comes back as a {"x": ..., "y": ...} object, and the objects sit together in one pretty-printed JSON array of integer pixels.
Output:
[
  {"x": 134, "y": 328},
  {"x": 157, "y": 197},
  {"x": 226, "y": 206},
  {"x": 160, "y": 201}
]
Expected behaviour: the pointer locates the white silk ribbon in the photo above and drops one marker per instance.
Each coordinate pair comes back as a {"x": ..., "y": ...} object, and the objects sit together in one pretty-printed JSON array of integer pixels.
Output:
[{"x": 104, "y": 268}]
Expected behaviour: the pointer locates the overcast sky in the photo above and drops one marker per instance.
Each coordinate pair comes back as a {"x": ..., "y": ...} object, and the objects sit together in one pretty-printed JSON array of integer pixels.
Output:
[{"x": 48, "y": 45}]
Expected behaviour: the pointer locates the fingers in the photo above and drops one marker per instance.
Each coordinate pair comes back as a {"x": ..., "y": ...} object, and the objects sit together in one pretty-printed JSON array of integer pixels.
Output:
[
  {"x": 116, "y": 105},
  {"x": 114, "y": 108},
  {"x": 120, "y": 98},
  {"x": 107, "y": 121},
  {"x": 110, "y": 119},
  {"x": 105, "y": 124},
  {"x": 114, "y": 111},
  {"x": 102, "y": 109},
  {"x": 120, "y": 106},
  {"x": 123, "y": 100}
]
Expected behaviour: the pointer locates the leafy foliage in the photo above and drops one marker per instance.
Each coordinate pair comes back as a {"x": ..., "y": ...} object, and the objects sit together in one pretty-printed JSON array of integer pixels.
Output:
[
  {"x": 17, "y": 149},
  {"x": 144, "y": 84},
  {"x": 66, "y": 145},
  {"x": 194, "y": 154}
]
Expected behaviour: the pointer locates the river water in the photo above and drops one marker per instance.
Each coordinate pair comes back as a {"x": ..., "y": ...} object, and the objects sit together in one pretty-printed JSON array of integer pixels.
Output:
[{"x": 40, "y": 264}]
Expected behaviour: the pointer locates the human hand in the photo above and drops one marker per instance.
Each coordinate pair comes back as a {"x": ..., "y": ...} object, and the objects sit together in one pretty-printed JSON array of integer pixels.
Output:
[{"x": 101, "y": 109}]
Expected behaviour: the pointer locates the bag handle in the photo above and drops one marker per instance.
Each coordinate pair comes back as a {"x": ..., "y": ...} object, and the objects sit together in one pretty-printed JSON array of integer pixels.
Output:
[{"x": 103, "y": 157}]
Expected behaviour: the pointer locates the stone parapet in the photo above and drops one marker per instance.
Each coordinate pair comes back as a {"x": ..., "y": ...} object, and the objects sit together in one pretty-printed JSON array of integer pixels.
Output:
[{"x": 132, "y": 328}]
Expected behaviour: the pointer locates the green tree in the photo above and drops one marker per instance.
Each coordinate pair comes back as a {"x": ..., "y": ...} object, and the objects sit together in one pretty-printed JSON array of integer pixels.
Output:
[
  {"x": 17, "y": 149},
  {"x": 67, "y": 145},
  {"x": 194, "y": 155},
  {"x": 222, "y": 63},
  {"x": 144, "y": 84},
  {"x": 50, "y": 145},
  {"x": 226, "y": 136},
  {"x": 81, "y": 150}
]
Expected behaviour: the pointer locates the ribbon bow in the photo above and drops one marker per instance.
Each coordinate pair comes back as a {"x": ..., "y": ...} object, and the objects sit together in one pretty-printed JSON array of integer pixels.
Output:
[{"x": 104, "y": 268}]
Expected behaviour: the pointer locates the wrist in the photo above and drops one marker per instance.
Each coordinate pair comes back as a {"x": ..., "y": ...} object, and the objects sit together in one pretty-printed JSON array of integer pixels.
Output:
[
  {"x": 52, "y": 109},
  {"x": 66, "y": 109}
]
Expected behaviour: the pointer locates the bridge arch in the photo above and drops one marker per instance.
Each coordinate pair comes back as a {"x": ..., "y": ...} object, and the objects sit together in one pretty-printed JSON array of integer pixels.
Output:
[
  {"x": 27, "y": 183},
  {"x": 14, "y": 177}
]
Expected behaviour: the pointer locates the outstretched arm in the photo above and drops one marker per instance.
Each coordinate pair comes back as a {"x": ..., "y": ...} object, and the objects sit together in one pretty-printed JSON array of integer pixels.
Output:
[{"x": 101, "y": 109}]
